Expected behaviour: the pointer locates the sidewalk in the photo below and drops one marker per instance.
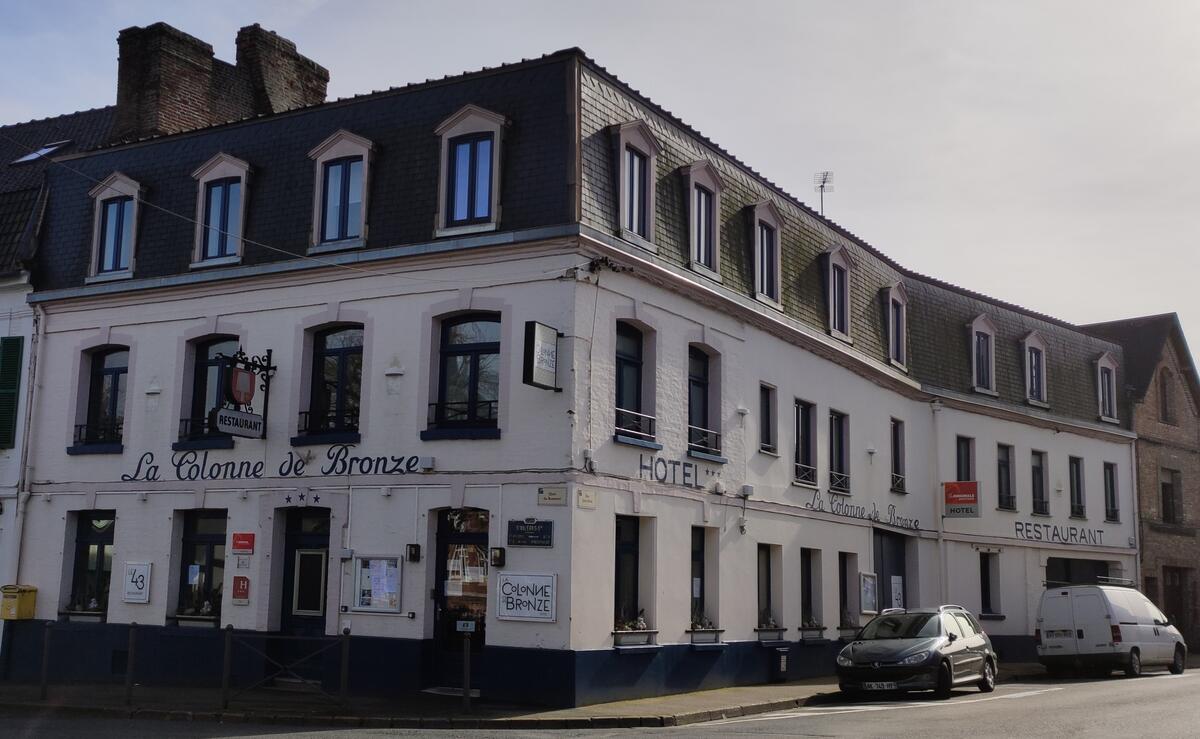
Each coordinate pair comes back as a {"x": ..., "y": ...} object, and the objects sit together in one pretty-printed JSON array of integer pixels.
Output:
[{"x": 427, "y": 711}]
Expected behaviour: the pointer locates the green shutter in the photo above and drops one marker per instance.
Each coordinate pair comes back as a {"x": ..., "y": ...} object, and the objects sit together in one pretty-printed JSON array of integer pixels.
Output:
[{"x": 10, "y": 383}]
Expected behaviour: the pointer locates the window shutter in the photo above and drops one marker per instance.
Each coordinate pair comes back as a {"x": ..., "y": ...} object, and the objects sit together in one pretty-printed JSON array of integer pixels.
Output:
[{"x": 10, "y": 382}]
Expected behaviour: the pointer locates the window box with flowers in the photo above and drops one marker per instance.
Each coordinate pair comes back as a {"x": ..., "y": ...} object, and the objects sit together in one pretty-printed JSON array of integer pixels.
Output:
[
  {"x": 768, "y": 631},
  {"x": 812, "y": 631},
  {"x": 849, "y": 628},
  {"x": 634, "y": 632},
  {"x": 704, "y": 631}
]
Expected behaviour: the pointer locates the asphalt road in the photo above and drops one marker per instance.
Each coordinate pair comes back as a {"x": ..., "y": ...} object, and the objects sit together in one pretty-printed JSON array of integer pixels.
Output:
[{"x": 1158, "y": 705}]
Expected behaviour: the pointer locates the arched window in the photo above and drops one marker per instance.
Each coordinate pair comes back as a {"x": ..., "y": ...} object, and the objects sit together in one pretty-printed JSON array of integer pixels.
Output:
[
  {"x": 1166, "y": 404},
  {"x": 209, "y": 373},
  {"x": 336, "y": 381},
  {"x": 469, "y": 372},
  {"x": 106, "y": 397}
]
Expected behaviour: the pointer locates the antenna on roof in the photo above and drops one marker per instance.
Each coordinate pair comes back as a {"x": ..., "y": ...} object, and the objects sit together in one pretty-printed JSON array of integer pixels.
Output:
[{"x": 823, "y": 183}]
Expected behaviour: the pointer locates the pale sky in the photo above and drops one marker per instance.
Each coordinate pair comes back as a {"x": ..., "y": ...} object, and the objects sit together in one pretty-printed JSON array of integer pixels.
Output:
[{"x": 1044, "y": 153}]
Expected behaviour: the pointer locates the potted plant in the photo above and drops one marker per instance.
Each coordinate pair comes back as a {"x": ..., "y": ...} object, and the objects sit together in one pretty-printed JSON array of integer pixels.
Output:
[
  {"x": 703, "y": 630},
  {"x": 633, "y": 633},
  {"x": 849, "y": 627},
  {"x": 767, "y": 629},
  {"x": 811, "y": 630}
]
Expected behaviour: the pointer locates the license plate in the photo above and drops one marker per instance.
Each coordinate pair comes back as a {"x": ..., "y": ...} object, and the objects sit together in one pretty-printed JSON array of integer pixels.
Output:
[{"x": 879, "y": 686}]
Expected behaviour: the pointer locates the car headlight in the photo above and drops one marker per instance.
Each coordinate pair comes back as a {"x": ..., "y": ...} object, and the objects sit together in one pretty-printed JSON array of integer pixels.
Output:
[
  {"x": 844, "y": 661},
  {"x": 915, "y": 659}
]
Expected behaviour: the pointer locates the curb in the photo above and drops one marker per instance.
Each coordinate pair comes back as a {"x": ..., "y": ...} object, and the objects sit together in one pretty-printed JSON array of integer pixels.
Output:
[{"x": 523, "y": 723}]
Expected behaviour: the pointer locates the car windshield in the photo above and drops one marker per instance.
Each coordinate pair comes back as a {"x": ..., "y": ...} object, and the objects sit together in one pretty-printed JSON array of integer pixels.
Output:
[{"x": 901, "y": 626}]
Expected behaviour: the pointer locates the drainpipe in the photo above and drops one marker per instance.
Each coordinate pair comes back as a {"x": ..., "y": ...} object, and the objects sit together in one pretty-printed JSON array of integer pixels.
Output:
[
  {"x": 1136, "y": 512},
  {"x": 935, "y": 408},
  {"x": 25, "y": 478}
]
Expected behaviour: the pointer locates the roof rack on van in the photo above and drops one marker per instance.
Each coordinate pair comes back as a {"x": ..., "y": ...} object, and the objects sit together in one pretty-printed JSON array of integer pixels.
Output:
[
  {"x": 1105, "y": 580},
  {"x": 888, "y": 611},
  {"x": 950, "y": 607}
]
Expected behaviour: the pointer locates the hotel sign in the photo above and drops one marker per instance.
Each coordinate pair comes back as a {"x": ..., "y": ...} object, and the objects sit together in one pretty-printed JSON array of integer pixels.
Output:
[{"x": 962, "y": 499}]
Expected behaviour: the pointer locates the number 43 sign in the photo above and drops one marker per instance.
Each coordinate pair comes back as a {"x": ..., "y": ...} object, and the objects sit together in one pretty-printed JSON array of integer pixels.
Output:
[{"x": 137, "y": 582}]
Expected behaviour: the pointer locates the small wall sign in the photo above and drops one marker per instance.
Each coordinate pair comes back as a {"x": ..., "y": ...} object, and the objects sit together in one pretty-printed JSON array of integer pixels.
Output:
[
  {"x": 137, "y": 583},
  {"x": 464, "y": 627},
  {"x": 531, "y": 533},
  {"x": 552, "y": 496},
  {"x": 243, "y": 542},
  {"x": 239, "y": 423},
  {"x": 241, "y": 590},
  {"x": 585, "y": 499},
  {"x": 526, "y": 597}
]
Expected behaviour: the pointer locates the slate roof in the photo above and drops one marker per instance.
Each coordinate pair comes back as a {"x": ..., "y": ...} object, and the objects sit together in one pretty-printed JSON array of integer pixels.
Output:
[
  {"x": 21, "y": 184},
  {"x": 1144, "y": 339}
]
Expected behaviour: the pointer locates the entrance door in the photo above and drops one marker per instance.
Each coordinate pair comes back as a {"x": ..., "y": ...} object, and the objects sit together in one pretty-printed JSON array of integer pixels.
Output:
[
  {"x": 890, "y": 566},
  {"x": 306, "y": 566},
  {"x": 305, "y": 573},
  {"x": 1174, "y": 598},
  {"x": 461, "y": 591}
]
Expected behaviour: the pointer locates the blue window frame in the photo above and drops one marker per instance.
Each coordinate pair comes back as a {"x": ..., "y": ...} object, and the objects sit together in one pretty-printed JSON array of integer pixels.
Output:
[
  {"x": 116, "y": 234},
  {"x": 342, "y": 200},
  {"x": 222, "y": 218},
  {"x": 469, "y": 180}
]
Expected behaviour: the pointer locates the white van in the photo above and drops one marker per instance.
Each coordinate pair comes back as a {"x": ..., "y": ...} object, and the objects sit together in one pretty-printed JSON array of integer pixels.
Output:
[{"x": 1105, "y": 627}]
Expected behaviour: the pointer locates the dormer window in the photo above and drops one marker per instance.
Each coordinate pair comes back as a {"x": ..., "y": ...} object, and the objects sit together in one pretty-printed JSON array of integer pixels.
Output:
[
  {"x": 220, "y": 210},
  {"x": 1035, "y": 368},
  {"x": 767, "y": 225},
  {"x": 983, "y": 355},
  {"x": 114, "y": 230},
  {"x": 341, "y": 191},
  {"x": 704, "y": 213},
  {"x": 469, "y": 182},
  {"x": 838, "y": 269},
  {"x": 895, "y": 300},
  {"x": 637, "y": 155},
  {"x": 1106, "y": 387}
]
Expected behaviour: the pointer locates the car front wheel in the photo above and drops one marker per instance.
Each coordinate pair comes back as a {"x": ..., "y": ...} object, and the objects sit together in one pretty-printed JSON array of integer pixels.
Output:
[
  {"x": 945, "y": 681},
  {"x": 1180, "y": 662},
  {"x": 988, "y": 682}
]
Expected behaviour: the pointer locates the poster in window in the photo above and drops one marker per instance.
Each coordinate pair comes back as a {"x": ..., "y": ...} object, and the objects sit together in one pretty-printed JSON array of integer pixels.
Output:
[
  {"x": 377, "y": 584},
  {"x": 868, "y": 592}
]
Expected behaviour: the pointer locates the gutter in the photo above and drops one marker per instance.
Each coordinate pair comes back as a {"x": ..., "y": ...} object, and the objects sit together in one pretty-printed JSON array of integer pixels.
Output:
[{"x": 24, "y": 493}]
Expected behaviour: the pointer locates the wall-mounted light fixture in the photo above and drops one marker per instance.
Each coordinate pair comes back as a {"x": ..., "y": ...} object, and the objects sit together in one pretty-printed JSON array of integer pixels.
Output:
[
  {"x": 497, "y": 556},
  {"x": 412, "y": 553}
]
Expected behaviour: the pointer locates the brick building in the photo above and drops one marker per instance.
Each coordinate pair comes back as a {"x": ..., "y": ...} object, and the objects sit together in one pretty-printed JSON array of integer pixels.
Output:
[{"x": 1164, "y": 395}]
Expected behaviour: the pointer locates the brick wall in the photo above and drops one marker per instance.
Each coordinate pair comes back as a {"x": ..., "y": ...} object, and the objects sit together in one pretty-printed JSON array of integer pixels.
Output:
[{"x": 1174, "y": 446}]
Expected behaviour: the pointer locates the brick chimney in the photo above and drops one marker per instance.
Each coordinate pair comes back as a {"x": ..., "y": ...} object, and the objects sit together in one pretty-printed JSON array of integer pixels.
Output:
[
  {"x": 168, "y": 81},
  {"x": 280, "y": 77}
]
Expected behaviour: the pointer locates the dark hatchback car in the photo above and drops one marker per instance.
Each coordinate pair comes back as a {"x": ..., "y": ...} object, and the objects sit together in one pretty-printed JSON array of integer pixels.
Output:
[{"x": 934, "y": 649}]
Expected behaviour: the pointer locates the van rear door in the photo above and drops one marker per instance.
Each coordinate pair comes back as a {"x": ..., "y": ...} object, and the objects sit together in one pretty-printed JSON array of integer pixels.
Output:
[
  {"x": 1093, "y": 627},
  {"x": 1058, "y": 624}
]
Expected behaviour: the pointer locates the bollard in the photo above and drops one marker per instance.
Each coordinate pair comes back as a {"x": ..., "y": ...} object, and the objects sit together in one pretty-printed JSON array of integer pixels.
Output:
[
  {"x": 466, "y": 681},
  {"x": 130, "y": 661},
  {"x": 344, "y": 685},
  {"x": 46, "y": 658},
  {"x": 226, "y": 666}
]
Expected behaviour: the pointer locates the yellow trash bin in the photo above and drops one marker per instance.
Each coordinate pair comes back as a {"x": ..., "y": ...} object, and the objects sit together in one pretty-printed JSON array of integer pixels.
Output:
[{"x": 16, "y": 602}]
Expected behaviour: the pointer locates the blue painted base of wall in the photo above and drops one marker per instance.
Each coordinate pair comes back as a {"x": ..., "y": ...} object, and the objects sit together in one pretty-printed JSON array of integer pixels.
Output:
[{"x": 173, "y": 655}]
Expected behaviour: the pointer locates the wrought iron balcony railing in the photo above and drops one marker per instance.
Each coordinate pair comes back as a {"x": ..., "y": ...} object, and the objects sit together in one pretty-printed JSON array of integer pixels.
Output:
[
  {"x": 317, "y": 422},
  {"x": 102, "y": 432},
  {"x": 481, "y": 413},
  {"x": 805, "y": 474},
  {"x": 898, "y": 483},
  {"x": 705, "y": 441},
  {"x": 839, "y": 482},
  {"x": 634, "y": 424}
]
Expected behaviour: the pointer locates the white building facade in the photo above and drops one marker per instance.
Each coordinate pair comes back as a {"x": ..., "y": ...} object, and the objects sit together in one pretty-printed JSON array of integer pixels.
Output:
[{"x": 632, "y": 412}]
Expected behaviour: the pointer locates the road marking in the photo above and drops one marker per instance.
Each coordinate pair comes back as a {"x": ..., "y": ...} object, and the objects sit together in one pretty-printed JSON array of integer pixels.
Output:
[{"x": 865, "y": 708}]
